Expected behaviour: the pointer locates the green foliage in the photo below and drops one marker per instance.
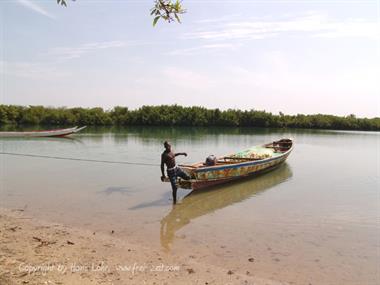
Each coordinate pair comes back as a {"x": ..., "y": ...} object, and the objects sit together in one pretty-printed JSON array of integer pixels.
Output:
[
  {"x": 167, "y": 10},
  {"x": 62, "y": 2},
  {"x": 175, "y": 115}
]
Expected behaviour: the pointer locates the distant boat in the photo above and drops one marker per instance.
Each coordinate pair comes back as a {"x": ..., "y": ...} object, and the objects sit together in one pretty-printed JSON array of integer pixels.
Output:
[
  {"x": 45, "y": 133},
  {"x": 236, "y": 166}
]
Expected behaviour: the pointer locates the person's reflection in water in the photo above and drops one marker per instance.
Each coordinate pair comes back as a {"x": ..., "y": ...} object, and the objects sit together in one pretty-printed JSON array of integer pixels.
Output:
[{"x": 169, "y": 225}]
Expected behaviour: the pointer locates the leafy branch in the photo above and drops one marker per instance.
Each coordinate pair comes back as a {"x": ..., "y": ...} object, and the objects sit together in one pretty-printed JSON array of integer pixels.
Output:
[
  {"x": 62, "y": 2},
  {"x": 167, "y": 10}
]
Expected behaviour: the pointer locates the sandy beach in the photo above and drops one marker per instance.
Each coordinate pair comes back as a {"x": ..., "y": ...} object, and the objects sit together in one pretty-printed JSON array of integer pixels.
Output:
[{"x": 39, "y": 252}]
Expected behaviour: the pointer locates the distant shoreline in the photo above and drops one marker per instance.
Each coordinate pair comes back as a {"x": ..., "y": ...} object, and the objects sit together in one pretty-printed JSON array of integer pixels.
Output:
[{"x": 175, "y": 115}]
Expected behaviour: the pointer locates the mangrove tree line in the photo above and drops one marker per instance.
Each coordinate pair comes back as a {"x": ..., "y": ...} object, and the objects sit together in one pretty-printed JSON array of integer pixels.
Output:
[{"x": 175, "y": 115}]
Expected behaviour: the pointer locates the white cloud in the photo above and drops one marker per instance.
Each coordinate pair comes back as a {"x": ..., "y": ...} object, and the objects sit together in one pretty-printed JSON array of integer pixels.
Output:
[
  {"x": 357, "y": 28},
  {"x": 274, "y": 84},
  {"x": 31, "y": 70},
  {"x": 49, "y": 65},
  {"x": 76, "y": 52},
  {"x": 217, "y": 47},
  {"x": 218, "y": 20},
  {"x": 315, "y": 25},
  {"x": 286, "y": 86},
  {"x": 35, "y": 7},
  {"x": 186, "y": 78}
]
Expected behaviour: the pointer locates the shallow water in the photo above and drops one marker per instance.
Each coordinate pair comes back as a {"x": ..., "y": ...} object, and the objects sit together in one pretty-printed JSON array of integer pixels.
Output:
[{"x": 314, "y": 220}]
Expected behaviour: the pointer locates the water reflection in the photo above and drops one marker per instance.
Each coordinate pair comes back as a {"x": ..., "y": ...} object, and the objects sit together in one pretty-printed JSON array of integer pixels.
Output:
[
  {"x": 197, "y": 204},
  {"x": 117, "y": 190}
]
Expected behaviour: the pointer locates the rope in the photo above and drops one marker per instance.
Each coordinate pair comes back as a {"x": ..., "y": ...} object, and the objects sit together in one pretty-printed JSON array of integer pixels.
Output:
[{"x": 80, "y": 159}]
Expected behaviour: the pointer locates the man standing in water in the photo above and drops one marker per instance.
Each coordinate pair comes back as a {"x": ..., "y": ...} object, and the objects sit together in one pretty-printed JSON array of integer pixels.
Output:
[{"x": 168, "y": 158}]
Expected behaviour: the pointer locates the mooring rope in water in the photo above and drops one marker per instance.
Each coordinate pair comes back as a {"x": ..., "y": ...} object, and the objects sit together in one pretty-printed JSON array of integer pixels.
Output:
[{"x": 80, "y": 159}]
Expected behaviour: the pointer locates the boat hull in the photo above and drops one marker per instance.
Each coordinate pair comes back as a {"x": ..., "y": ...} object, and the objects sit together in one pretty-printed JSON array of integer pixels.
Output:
[
  {"x": 47, "y": 133},
  {"x": 221, "y": 173},
  {"x": 198, "y": 185}
]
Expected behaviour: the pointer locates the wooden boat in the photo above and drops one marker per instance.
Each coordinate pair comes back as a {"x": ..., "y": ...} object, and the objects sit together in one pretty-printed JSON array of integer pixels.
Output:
[
  {"x": 238, "y": 165},
  {"x": 45, "y": 133}
]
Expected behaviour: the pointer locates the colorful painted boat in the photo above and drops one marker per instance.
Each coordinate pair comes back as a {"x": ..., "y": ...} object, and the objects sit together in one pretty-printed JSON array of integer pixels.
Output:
[
  {"x": 45, "y": 133},
  {"x": 237, "y": 166}
]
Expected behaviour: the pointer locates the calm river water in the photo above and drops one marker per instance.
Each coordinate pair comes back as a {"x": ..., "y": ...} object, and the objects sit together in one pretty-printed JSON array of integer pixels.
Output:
[{"x": 314, "y": 220}]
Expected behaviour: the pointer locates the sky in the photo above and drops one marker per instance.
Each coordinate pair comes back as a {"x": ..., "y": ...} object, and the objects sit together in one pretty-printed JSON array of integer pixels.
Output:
[{"x": 300, "y": 56}]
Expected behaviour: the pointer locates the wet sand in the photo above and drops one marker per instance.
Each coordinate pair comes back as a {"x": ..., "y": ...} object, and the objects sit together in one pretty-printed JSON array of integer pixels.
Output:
[{"x": 39, "y": 252}]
